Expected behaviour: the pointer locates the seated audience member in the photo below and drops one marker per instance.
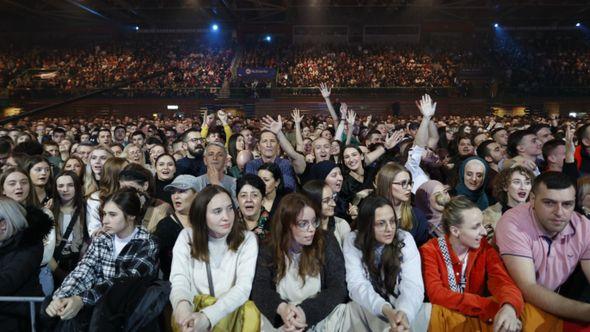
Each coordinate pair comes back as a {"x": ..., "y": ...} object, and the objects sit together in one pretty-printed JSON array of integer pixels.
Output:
[
  {"x": 269, "y": 153},
  {"x": 121, "y": 251},
  {"x": 460, "y": 268},
  {"x": 523, "y": 146},
  {"x": 472, "y": 181},
  {"x": 330, "y": 173},
  {"x": 96, "y": 160},
  {"x": 583, "y": 196},
  {"x": 358, "y": 179},
  {"x": 165, "y": 167},
  {"x": 22, "y": 235},
  {"x": 69, "y": 210},
  {"x": 559, "y": 155},
  {"x": 512, "y": 188},
  {"x": 491, "y": 152},
  {"x": 321, "y": 193},
  {"x": 394, "y": 182},
  {"x": 431, "y": 198},
  {"x": 251, "y": 190},
  {"x": 39, "y": 170},
  {"x": 192, "y": 163},
  {"x": 184, "y": 191},
  {"x": 270, "y": 173},
  {"x": 215, "y": 157},
  {"x": 383, "y": 272},
  {"x": 300, "y": 275},
  {"x": 213, "y": 266},
  {"x": 139, "y": 178},
  {"x": 542, "y": 242}
]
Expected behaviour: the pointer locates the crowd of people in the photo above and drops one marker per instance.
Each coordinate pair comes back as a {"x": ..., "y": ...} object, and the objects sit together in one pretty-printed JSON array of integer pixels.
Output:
[
  {"x": 532, "y": 63},
  {"x": 325, "y": 222}
]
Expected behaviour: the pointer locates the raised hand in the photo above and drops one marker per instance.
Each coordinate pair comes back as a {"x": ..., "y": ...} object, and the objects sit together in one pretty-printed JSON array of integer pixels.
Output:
[
  {"x": 350, "y": 118},
  {"x": 296, "y": 116},
  {"x": 368, "y": 122},
  {"x": 393, "y": 139},
  {"x": 426, "y": 106},
  {"x": 205, "y": 117},
  {"x": 343, "y": 109},
  {"x": 324, "y": 90},
  {"x": 275, "y": 126}
]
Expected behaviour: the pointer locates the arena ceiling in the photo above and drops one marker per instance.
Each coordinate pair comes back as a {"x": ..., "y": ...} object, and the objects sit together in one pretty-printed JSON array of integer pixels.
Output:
[{"x": 191, "y": 13}]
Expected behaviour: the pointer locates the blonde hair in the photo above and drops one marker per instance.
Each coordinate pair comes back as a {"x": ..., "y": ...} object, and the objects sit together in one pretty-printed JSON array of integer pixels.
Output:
[
  {"x": 125, "y": 153},
  {"x": 453, "y": 213},
  {"x": 383, "y": 182}
]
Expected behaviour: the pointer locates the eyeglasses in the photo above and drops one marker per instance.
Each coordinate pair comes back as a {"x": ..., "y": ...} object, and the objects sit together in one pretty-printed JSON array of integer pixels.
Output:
[
  {"x": 404, "y": 184},
  {"x": 381, "y": 225},
  {"x": 305, "y": 224},
  {"x": 327, "y": 200}
]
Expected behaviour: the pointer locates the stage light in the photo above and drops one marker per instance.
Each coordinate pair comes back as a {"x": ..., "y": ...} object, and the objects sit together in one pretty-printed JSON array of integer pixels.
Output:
[
  {"x": 496, "y": 25},
  {"x": 172, "y": 107},
  {"x": 268, "y": 38},
  {"x": 214, "y": 27},
  {"x": 136, "y": 28},
  {"x": 578, "y": 25}
]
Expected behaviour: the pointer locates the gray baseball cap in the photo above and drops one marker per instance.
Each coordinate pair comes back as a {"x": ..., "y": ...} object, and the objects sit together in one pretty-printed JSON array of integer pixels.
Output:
[{"x": 184, "y": 182}]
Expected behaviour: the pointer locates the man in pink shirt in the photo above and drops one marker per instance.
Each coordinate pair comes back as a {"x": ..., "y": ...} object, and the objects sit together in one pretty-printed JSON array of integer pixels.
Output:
[{"x": 542, "y": 242}]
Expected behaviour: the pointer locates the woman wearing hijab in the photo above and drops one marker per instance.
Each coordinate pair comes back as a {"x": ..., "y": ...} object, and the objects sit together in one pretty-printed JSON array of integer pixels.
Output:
[
  {"x": 330, "y": 172},
  {"x": 431, "y": 198},
  {"x": 473, "y": 176}
]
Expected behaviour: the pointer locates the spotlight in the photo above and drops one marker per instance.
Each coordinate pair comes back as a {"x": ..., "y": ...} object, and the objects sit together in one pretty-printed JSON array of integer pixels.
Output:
[
  {"x": 496, "y": 25},
  {"x": 136, "y": 28},
  {"x": 268, "y": 38},
  {"x": 578, "y": 25},
  {"x": 214, "y": 27}
]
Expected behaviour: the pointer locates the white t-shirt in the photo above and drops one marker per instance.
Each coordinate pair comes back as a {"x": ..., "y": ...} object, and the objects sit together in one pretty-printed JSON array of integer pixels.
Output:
[{"x": 120, "y": 243}]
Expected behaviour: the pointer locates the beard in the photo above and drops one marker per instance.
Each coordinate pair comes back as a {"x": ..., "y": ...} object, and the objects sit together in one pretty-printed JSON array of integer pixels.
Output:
[{"x": 197, "y": 151}]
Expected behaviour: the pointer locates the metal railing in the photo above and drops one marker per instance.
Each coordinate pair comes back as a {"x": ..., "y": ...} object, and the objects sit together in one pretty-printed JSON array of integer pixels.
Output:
[{"x": 31, "y": 300}]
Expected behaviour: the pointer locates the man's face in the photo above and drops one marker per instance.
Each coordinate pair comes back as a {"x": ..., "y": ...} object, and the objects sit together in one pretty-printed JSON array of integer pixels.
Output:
[
  {"x": 83, "y": 152},
  {"x": 530, "y": 145},
  {"x": 214, "y": 137},
  {"x": 375, "y": 139},
  {"x": 194, "y": 143},
  {"x": 52, "y": 150},
  {"x": 268, "y": 145},
  {"x": 501, "y": 137},
  {"x": 215, "y": 157},
  {"x": 553, "y": 207},
  {"x": 58, "y": 136},
  {"x": 465, "y": 147},
  {"x": 495, "y": 152},
  {"x": 120, "y": 134},
  {"x": 321, "y": 149},
  {"x": 557, "y": 156},
  {"x": 104, "y": 137},
  {"x": 544, "y": 135}
]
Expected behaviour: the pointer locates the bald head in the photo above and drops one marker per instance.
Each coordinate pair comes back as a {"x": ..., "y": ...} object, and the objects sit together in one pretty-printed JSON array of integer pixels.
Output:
[{"x": 243, "y": 158}]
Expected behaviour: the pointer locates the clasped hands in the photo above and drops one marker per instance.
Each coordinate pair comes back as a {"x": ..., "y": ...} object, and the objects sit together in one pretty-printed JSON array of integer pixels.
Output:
[
  {"x": 293, "y": 317},
  {"x": 66, "y": 308}
]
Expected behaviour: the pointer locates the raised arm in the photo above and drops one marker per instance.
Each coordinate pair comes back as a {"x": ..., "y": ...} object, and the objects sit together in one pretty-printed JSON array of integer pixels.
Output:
[
  {"x": 325, "y": 91},
  {"x": 350, "y": 119},
  {"x": 427, "y": 108},
  {"x": 297, "y": 118},
  {"x": 390, "y": 142},
  {"x": 276, "y": 127},
  {"x": 433, "y": 136},
  {"x": 340, "y": 128}
]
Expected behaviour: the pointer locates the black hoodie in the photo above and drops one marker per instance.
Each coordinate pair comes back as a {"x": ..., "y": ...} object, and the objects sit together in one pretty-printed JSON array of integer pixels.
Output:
[{"x": 20, "y": 259}]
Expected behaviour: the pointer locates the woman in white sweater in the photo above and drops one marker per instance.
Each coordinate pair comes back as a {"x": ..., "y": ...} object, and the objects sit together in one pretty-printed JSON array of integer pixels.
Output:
[
  {"x": 216, "y": 258},
  {"x": 383, "y": 271}
]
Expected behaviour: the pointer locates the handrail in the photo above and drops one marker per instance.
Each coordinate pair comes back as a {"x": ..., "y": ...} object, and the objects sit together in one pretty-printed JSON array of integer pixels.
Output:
[{"x": 31, "y": 300}]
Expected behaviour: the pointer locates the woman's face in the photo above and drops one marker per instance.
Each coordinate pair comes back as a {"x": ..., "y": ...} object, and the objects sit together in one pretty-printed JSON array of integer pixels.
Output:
[
  {"x": 249, "y": 201},
  {"x": 471, "y": 230},
  {"x": 240, "y": 143},
  {"x": 335, "y": 148},
  {"x": 114, "y": 220},
  {"x": 334, "y": 179},
  {"x": 16, "y": 186},
  {"x": 518, "y": 189},
  {"x": 307, "y": 146},
  {"x": 165, "y": 168},
  {"x": 465, "y": 147},
  {"x": 40, "y": 173},
  {"x": 220, "y": 215},
  {"x": 305, "y": 226},
  {"x": 474, "y": 174},
  {"x": 326, "y": 134},
  {"x": 352, "y": 159},
  {"x": 439, "y": 197},
  {"x": 305, "y": 132},
  {"x": 65, "y": 188},
  {"x": 328, "y": 202},
  {"x": 73, "y": 165},
  {"x": 384, "y": 225},
  {"x": 182, "y": 200},
  {"x": 269, "y": 181},
  {"x": 97, "y": 159},
  {"x": 401, "y": 187}
]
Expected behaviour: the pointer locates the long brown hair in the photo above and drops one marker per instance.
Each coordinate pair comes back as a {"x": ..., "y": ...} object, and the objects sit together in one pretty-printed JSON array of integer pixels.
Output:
[
  {"x": 31, "y": 199},
  {"x": 312, "y": 256},
  {"x": 383, "y": 276},
  {"x": 79, "y": 201},
  {"x": 383, "y": 183},
  {"x": 109, "y": 180},
  {"x": 198, "y": 220}
]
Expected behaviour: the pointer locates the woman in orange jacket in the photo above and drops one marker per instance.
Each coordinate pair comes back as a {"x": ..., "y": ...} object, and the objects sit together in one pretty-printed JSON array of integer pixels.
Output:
[{"x": 467, "y": 283}]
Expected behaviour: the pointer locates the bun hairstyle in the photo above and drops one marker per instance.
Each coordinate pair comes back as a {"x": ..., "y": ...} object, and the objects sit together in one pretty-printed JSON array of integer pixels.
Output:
[{"x": 453, "y": 213}]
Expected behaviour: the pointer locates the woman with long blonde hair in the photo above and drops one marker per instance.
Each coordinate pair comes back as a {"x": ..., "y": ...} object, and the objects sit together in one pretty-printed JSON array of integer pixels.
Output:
[{"x": 394, "y": 182}]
